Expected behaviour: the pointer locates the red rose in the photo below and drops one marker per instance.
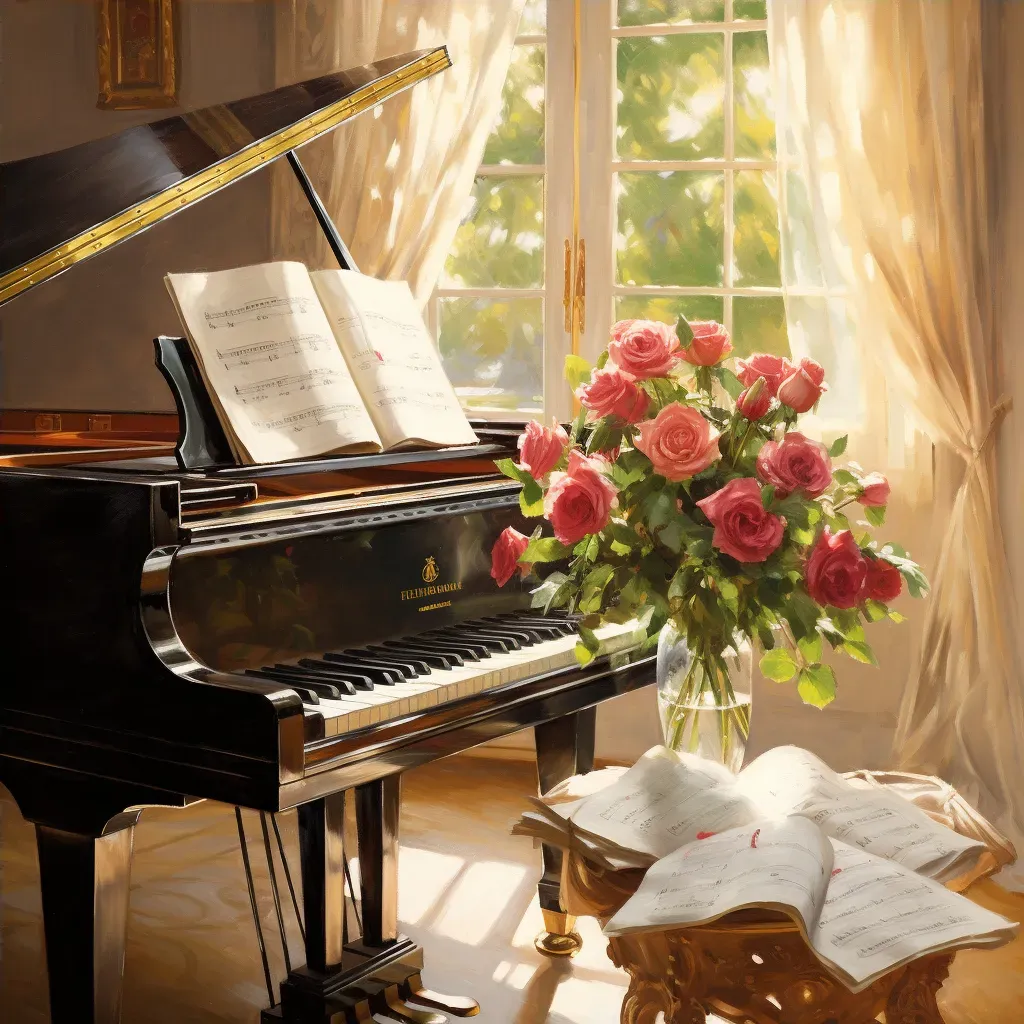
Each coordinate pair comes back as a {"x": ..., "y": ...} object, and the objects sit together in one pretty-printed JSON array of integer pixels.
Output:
[
  {"x": 836, "y": 570},
  {"x": 883, "y": 581},
  {"x": 620, "y": 327},
  {"x": 804, "y": 386},
  {"x": 795, "y": 464},
  {"x": 505, "y": 555},
  {"x": 755, "y": 401},
  {"x": 743, "y": 527},
  {"x": 540, "y": 448},
  {"x": 774, "y": 369},
  {"x": 613, "y": 393},
  {"x": 678, "y": 441},
  {"x": 710, "y": 343},
  {"x": 579, "y": 501},
  {"x": 874, "y": 490},
  {"x": 645, "y": 348}
]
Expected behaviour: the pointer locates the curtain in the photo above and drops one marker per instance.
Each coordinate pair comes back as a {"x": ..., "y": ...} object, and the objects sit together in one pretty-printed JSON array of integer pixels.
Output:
[
  {"x": 397, "y": 179},
  {"x": 885, "y": 115}
]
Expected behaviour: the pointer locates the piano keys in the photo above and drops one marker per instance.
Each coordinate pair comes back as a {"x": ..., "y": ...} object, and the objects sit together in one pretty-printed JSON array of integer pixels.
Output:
[{"x": 279, "y": 637}]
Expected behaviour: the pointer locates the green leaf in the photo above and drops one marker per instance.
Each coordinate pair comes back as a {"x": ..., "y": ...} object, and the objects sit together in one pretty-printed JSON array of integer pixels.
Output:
[
  {"x": 917, "y": 582},
  {"x": 577, "y": 427},
  {"x": 817, "y": 686},
  {"x": 831, "y": 632},
  {"x": 896, "y": 617},
  {"x": 845, "y": 478},
  {"x": 552, "y": 593},
  {"x": 602, "y": 359},
  {"x": 875, "y": 610},
  {"x": 875, "y": 514},
  {"x": 545, "y": 549},
  {"x": 767, "y": 495},
  {"x": 577, "y": 371},
  {"x": 511, "y": 470},
  {"x": 535, "y": 508},
  {"x": 778, "y": 665},
  {"x": 810, "y": 648},
  {"x": 838, "y": 446},
  {"x": 684, "y": 332},
  {"x": 583, "y": 656},
  {"x": 604, "y": 437},
  {"x": 594, "y": 584},
  {"x": 658, "y": 509},
  {"x": 859, "y": 651},
  {"x": 732, "y": 385}
]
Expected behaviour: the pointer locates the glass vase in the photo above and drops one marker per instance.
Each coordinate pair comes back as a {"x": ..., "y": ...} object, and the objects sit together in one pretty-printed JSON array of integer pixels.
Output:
[{"x": 704, "y": 698}]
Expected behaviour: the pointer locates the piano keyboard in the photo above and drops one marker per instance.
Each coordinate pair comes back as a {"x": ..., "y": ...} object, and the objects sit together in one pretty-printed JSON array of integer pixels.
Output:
[{"x": 361, "y": 687}]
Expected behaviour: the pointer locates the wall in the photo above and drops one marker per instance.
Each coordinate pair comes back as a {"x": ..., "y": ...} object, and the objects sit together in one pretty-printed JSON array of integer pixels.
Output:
[{"x": 84, "y": 340}]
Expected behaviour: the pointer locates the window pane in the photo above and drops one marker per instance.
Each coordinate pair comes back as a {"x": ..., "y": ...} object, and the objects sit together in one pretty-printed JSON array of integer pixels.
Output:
[
  {"x": 668, "y": 308},
  {"x": 671, "y": 94},
  {"x": 755, "y": 117},
  {"x": 823, "y": 329},
  {"x": 750, "y": 10},
  {"x": 493, "y": 351},
  {"x": 756, "y": 231},
  {"x": 670, "y": 228},
  {"x": 500, "y": 242},
  {"x": 759, "y": 325},
  {"x": 535, "y": 17},
  {"x": 669, "y": 12},
  {"x": 518, "y": 135}
]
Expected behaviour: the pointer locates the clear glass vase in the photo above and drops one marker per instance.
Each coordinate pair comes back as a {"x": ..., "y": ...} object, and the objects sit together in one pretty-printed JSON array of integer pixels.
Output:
[{"x": 704, "y": 698}]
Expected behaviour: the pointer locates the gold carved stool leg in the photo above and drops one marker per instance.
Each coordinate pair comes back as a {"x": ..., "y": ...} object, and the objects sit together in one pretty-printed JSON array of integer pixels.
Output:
[
  {"x": 912, "y": 999},
  {"x": 559, "y": 937}
]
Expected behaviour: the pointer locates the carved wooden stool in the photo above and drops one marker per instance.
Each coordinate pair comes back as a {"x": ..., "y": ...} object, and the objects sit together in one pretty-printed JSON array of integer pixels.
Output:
[{"x": 747, "y": 967}]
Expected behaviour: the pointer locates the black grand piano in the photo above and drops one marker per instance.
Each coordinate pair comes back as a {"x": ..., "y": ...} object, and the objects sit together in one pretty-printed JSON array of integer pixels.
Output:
[{"x": 291, "y": 636}]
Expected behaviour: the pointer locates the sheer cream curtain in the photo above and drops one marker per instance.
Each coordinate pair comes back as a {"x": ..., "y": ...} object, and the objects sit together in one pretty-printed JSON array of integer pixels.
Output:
[
  {"x": 395, "y": 180},
  {"x": 884, "y": 114}
]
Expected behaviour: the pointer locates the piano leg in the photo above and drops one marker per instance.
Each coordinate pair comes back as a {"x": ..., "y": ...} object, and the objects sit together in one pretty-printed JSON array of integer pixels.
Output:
[
  {"x": 321, "y": 850},
  {"x": 84, "y": 886},
  {"x": 565, "y": 747}
]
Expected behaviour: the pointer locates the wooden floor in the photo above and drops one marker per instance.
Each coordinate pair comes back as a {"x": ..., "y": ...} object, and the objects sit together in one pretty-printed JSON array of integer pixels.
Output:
[{"x": 467, "y": 893}]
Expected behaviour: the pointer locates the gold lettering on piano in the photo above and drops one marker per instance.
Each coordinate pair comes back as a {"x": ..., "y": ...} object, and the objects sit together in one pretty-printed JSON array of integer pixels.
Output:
[
  {"x": 430, "y": 570},
  {"x": 440, "y": 588},
  {"x": 431, "y": 574}
]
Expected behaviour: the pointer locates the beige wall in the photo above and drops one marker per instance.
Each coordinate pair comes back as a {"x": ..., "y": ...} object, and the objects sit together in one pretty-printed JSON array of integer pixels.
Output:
[{"x": 84, "y": 340}]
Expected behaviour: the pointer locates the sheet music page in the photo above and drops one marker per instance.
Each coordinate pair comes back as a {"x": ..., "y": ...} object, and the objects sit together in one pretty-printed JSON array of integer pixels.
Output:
[
  {"x": 663, "y": 802},
  {"x": 788, "y": 780},
  {"x": 393, "y": 359},
  {"x": 269, "y": 356},
  {"x": 780, "y": 864},
  {"x": 878, "y": 914}
]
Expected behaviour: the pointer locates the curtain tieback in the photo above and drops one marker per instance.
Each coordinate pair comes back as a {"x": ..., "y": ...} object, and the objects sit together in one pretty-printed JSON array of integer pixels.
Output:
[{"x": 973, "y": 455}]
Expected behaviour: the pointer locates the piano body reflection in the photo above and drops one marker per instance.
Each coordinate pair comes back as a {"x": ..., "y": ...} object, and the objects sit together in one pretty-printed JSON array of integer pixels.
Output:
[{"x": 288, "y": 636}]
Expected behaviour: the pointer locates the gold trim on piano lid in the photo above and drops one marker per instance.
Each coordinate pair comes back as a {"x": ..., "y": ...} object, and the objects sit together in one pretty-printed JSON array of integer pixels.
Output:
[{"x": 156, "y": 208}]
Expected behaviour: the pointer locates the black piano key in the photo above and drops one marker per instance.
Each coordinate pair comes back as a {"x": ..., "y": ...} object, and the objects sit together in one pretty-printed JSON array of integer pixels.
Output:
[
  {"x": 562, "y": 626},
  {"x": 336, "y": 676},
  {"x": 461, "y": 637},
  {"x": 437, "y": 659},
  {"x": 544, "y": 630},
  {"x": 524, "y": 636},
  {"x": 308, "y": 696},
  {"x": 445, "y": 644},
  {"x": 492, "y": 641},
  {"x": 379, "y": 675},
  {"x": 409, "y": 667},
  {"x": 485, "y": 646},
  {"x": 332, "y": 690}
]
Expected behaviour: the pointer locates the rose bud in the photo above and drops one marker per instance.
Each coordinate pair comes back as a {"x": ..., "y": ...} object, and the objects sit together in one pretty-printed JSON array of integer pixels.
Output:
[
  {"x": 613, "y": 393},
  {"x": 645, "y": 348},
  {"x": 579, "y": 501},
  {"x": 814, "y": 370},
  {"x": 800, "y": 391},
  {"x": 540, "y": 448},
  {"x": 836, "y": 570},
  {"x": 883, "y": 581},
  {"x": 774, "y": 369},
  {"x": 796, "y": 464},
  {"x": 874, "y": 490},
  {"x": 710, "y": 343},
  {"x": 755, "y": 401},
  {"x": 678, "y": 441},
  {"x": 505, "y": 555},
  {"x": 743, "y": 527}
]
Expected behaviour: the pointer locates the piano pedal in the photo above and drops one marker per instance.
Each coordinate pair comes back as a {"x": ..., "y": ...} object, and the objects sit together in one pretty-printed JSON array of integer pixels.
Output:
[{"x": 457, "y": 1006}]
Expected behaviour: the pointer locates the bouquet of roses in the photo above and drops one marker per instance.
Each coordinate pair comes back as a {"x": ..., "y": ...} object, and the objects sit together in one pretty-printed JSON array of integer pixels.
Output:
[{"x": 683, "y": 494}]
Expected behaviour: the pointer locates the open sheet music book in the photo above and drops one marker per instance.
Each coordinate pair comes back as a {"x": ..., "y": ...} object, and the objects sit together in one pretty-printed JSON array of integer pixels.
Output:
[
  {"x": 772, "y": 837},
  {"x": 302, "y": 364}
]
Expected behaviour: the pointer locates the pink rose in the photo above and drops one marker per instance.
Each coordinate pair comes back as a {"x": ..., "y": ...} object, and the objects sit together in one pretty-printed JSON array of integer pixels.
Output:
[
  {"x": 743, "y": 527},
  {"x": 540, "y": 448},
  {"x": 804, "y": 386},
  {"x": 579, "y": 501},
  {"x": 836, "y": 570},
  {"x": 874, "y": 490},
  {"x": 883, "y": 581},
  {"x": 620, "y": 327},
  {"x": 678, "y": 441},
  {"x": 774, "y": 369},
  {"x": 710, "y": 343},
  {"x": 505, "y": 555},
  {"x": 613, "y": 393},
  {"x": 755, "y": 401},
  {"x": 797, "y": 464},
  {"x": 645, "y": 348}
]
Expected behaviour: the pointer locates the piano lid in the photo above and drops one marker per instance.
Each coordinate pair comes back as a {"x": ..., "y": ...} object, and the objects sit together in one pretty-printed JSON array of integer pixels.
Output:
[{"x": 63, "y": 207}]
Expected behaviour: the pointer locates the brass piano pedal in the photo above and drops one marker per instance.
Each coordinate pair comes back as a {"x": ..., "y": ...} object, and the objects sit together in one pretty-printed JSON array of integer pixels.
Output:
[
  {"x": 457, "y": 1006},
  {"x": 559, "y": 937},
  {"x": 391, "y": 1004}
]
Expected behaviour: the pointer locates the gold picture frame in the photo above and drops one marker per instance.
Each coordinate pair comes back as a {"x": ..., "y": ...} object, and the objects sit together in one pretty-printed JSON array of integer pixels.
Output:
[{"x": 136, "y": 54}]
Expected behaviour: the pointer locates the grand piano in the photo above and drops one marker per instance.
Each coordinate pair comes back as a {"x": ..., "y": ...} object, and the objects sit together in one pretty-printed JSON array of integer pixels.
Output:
[{"x": 290, "y": 636}]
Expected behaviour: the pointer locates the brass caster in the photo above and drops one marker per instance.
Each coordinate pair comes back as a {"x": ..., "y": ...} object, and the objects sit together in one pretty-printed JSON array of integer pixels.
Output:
[{"x": 559, "y": 939}]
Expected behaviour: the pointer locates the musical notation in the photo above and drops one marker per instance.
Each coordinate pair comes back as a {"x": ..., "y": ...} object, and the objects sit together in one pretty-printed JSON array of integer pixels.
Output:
[
  {"x": 272, "y": 350},
  {"x": 258, "y": 390},
  {"x": 256, "y": 311},
  {"x": 314, "y": 416}
]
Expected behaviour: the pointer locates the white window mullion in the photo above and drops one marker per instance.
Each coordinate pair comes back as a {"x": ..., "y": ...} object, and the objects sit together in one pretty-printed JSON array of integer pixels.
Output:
[{"x": 730, "y": 155}]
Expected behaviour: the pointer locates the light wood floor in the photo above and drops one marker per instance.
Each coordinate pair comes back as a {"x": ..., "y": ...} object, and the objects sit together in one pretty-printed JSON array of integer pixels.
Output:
[{"x": 467, "y": 893}]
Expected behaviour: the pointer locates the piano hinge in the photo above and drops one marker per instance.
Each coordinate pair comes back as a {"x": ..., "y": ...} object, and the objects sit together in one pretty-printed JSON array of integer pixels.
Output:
[{"x": 47, "y": 422}]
